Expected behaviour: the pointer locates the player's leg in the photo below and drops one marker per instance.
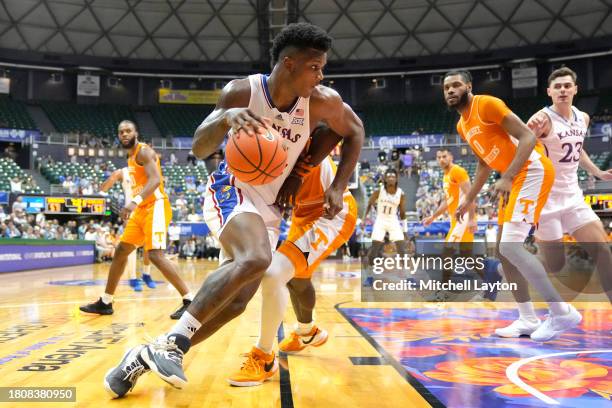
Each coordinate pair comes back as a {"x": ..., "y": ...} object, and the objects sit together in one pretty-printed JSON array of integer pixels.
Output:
[
  {"x": 130, "y": 267},
  {"x": 595, "y": 242},
  {"x": 378, "y": 238},
  {"x": 146, "y": 270},
  {"x": 132, "y": 238}
]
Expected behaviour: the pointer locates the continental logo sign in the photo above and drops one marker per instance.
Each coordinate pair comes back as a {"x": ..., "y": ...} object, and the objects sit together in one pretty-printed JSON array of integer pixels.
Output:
[{"x": 188, "y": 96}]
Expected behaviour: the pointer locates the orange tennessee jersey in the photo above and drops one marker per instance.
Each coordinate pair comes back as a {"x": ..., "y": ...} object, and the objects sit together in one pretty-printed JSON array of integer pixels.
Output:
[
  {"x": 310, "y": 197},
  {"x": 138, "y": 178},
  {"x": 451, "y": 182},
  {"x": 482, "y": 129}
]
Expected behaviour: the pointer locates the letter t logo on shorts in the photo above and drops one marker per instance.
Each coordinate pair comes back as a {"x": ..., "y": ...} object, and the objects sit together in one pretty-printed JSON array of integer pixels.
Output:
[{"x": 526, "y": 203}]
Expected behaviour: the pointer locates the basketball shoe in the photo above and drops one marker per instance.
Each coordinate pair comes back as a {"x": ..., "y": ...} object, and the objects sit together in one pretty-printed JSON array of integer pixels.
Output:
[
  {"x": 136, "y": 284},
  {"x": 120, "y": 380},
  {"x": 165, "y": 358},
  {"x": 296, "y": 342},
  {"x": 257, "y": 368},
  {"x": 179, "y": 312},
  {"x": 98, "y": 307},
  {"x": 557, "y": 324},
  {"x": 149, "y": 281},
  {"x": 519, "y": 327}
]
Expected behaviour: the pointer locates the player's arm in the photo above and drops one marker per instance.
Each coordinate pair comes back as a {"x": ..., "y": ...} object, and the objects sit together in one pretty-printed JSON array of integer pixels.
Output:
[
  {"x": 539, "y": 124},
  {"x": 465, "y": 188},
  {"x": 230, "y": 112},
  {"x": 371, "y": 203},
  {"x": 439, "y": 211},
  {"x": 148, "y": 158},
  {"x": 587, "y": 164},
  {"x": 480, "y": 178},
  {"x": 116, "y": 176}
]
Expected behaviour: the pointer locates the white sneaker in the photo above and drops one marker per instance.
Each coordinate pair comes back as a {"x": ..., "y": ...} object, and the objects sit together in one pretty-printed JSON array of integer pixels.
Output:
[
  {"x": 555, "y": 325},
  {"x": 518, "y": 327}
]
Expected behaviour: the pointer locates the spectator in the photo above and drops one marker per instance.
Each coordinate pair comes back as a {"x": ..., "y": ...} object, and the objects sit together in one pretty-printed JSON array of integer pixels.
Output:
[
  {"x": 16, "y": 185},
  {"x": 174, "y": 236},
  {"x": 188, "y": 249}
]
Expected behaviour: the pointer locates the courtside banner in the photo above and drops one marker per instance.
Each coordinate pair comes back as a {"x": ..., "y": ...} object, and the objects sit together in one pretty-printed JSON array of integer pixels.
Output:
[
  {"x": 391, "y": 142},
  {"x": 187, "y": 96},
  {"x": 24, "y": 254},
  {"x": 438, "y": 271}
]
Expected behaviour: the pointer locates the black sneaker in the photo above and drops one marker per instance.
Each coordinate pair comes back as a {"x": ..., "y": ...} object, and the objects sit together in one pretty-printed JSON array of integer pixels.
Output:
[
  {"x": 165, "y": 358},
  {"x": 98, "y": 307},
  {"x": 120, "y": 380},
  {"x": 179, "y": 312}
]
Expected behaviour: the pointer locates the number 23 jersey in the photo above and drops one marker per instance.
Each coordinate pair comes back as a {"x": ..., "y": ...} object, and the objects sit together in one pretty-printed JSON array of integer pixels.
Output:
[{"x": 563, "y": 146}]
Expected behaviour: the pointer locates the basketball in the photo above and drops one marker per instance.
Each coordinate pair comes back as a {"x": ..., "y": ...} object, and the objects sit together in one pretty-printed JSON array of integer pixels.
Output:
[{"x": 256, "y": 159}]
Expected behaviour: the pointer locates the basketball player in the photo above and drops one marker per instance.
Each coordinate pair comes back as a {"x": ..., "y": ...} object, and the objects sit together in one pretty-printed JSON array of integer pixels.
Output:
[
  {"x": 562, "y": 129},
  {"x": 390, "y": 203},
  {"x": 456, "y": 185},
  {"x": 123, "y": 175},
  {"x": 148, "y": 215},
  {"x": 243, "y": 217},
  {"x": 502, "y": 142}
]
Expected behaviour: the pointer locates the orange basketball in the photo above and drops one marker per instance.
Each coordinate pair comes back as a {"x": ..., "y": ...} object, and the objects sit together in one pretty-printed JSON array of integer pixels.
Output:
[{"x": 256, "y": 159}]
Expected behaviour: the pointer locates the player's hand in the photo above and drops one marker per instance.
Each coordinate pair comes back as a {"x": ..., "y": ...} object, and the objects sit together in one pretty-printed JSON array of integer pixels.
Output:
[
  {"x": 461, "y": 210},
  {"x": 473, "y": 227},
  {"x": 288, "y": 191},
  {"x": 501, "y": 190},
  {"x": 245, "y": 119},
  {"x": 127, "y": 210},
  {"x": 604, "y": 175},
  {"x": 427, "y": 220},
  {"x": 332, "y": 202},
  {"x": 537, "y": 123}
]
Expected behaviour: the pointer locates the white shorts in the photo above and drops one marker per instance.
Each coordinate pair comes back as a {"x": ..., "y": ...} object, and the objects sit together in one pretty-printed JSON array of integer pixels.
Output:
[
  {"x": 392, "y": 226},
  {"x": 223, "y": 201},
  {"x": 564, "y": 213}
]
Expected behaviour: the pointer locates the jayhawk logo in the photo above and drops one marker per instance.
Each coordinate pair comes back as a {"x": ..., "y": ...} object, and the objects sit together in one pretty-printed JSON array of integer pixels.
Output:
[{"x": 225, "y": 193}]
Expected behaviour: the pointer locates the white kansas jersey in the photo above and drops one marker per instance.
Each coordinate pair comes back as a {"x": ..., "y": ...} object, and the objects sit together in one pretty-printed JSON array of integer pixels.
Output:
[
  {"x": 293, "y": 126},
  {"x": 563, "y": 146},
  {"x": 386, "y": 206},
  {"x": 126, "y": 184}
]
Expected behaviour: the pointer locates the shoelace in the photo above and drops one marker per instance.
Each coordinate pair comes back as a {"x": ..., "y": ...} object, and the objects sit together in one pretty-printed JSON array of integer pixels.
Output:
[
  {"x": 133, "y": 371},
  {"x": 251, "y": 363},
  {"x": 169, "y": 350}
]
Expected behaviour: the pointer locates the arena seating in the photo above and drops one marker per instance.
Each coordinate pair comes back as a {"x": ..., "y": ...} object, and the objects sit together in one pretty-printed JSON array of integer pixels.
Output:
[
  {"x": 56, "y": 172},
  {"x": 403, "y": 119},
  {"x": 9, "y": 170},
  {"x": 180, "y": 121},
  {"x": 98, "y": 120},
  {"x": 14, "y": 115}
]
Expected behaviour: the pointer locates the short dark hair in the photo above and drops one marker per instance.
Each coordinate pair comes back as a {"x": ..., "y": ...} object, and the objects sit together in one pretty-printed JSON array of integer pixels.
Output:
[
  {"x": 561, "y": 72},
  {"x": 467, "y": 77},
  {"x": 444, "y": 149},
  {"x": 301, "y": 36},
  {"x": 389, "y": 171},
  {"x": 129, "y": 122}
]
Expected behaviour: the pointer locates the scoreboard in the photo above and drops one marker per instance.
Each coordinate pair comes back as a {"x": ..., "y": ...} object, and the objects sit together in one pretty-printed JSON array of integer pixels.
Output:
[
  {"x": 67, "y": 205},
  {"x": 599, "y": 201}
]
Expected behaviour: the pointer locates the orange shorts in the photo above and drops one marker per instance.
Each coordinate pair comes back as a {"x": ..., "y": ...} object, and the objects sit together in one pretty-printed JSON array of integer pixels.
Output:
[
  {"x": 148, "y": 225},
  {"x": 530, "y": 189},
  {"x": 312, "y": 238},
  {"x": 459, "y": 231}
]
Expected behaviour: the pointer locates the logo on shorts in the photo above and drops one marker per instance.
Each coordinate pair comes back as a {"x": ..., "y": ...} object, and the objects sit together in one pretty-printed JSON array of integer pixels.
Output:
[
  {"x": 225, "y": 193},
  {"x": 526, "y": 203}
]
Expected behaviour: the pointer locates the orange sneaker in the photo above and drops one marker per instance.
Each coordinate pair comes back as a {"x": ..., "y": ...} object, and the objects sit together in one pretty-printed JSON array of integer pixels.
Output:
[
  {"x": 295, "y": 342},
  {"x": 257, "y": 368}
]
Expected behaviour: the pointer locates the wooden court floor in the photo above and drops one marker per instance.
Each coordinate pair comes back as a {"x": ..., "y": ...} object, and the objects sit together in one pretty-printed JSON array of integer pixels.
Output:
[{"x": 371, "y": 360}]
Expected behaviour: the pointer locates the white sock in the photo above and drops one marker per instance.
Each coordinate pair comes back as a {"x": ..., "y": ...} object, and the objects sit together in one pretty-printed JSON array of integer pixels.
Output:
[
  {"x": 107, "y": 299},
  {"x": 304, "y": 328},
  {"x": 130, "y": 265},
  {"x": 189, "y": 297},
  {"x": 527, "y": 312},
  {"x": 274, "y": 299},
  {"x": 146, "y": 269},
  {"x": 558, "y": 308},
  {"x": 187, "y": 325}
]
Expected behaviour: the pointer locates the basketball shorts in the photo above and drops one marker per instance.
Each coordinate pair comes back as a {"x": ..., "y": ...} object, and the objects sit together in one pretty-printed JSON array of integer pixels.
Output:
[
  {"x": 312, "y": 238},
  {"x": 223, "y": 201},
  {"x": 148, "y": 225},
  {"x": 530, "y": 190},
  {"x": 392, "y": 226},
  {"x": 564, "y": 213},
  {"x": 460, "y": 231}
]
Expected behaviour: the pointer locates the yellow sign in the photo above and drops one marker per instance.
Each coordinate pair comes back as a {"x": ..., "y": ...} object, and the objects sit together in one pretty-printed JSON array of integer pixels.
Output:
[{"x": 188, "y": 96}]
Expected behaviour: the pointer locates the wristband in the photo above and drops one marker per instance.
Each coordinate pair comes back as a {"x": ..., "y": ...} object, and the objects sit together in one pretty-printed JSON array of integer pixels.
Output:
[{"x": 137, "y": 200}]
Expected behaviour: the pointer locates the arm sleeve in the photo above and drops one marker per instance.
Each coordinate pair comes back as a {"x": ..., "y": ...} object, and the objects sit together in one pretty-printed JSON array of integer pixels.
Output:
[{"x": 492, "y": 110}]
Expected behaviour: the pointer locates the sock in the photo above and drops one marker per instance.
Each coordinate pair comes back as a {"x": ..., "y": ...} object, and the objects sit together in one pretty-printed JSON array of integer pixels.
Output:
[
  {"x": 274, "y": 299},
  {"x": 558, "y": 308},
  {"x": 130, "y": 266},
  {"x": 107, "y": 299},
  {"x": 189, "y": 297},
  {"x": 187, "y": 325},
  {"x": 304, "y": 328},
  {"x": 146, "y": 269},
  {"x": 527, "y": 312}
]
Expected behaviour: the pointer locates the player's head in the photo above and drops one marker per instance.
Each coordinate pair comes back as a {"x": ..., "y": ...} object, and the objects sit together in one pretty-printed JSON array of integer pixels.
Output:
[
  {"x": 457, "y": 88},
  {"x": 444, "y": 158},
  {"x": 562, "y": 86},
  {"x": 127, "y": 133},
  {"x": 390, "y": 179},
  {"x": 301, "y": 49}
]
